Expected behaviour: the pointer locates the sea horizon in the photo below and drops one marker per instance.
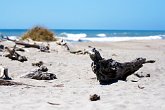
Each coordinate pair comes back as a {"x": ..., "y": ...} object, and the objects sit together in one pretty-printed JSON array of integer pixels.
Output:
[{"x": 94, "y": 34}]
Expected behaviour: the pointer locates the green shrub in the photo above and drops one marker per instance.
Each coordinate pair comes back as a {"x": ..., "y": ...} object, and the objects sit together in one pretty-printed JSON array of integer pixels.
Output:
[{"x": 39, "y": 34}]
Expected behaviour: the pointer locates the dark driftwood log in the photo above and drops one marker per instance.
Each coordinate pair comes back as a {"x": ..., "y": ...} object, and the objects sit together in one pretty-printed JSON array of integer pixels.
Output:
[
  {"x": 9, "y": 83},
  {"x": 41, "y": 74},
  {"x": 13, "y": 83},
  {"x": 109, "y": 71},
  {"x": 14, "y": 55}
]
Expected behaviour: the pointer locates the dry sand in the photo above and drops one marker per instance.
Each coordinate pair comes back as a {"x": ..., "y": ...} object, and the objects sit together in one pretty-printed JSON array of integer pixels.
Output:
[{"x": 76, "y": 81}]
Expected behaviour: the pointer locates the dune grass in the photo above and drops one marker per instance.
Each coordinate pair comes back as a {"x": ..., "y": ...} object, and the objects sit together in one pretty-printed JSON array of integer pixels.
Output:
[{"x": 38, "y": 33}]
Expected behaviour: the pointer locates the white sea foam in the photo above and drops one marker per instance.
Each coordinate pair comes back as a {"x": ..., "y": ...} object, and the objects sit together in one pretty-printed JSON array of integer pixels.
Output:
[
  {"x": 72, "y": 37},
  {"x": 105, "y": 39},
  {"x": 13, "y": 37},
  {"x": 121, "y": 38},
  {"x": 101, "y": 35}
]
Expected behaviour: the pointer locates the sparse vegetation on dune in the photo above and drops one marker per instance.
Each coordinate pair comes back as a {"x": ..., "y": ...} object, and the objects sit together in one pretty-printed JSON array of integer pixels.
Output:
[{"x": 38, "y": 33}]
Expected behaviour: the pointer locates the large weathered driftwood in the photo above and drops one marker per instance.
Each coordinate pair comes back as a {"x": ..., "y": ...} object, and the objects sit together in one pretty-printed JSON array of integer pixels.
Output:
[
  {"x": 42, "y": 48},
  {"x": 109, "y": 71},
  {"x": 24, "y": 43},
  {"x": 14, "y": 55}
]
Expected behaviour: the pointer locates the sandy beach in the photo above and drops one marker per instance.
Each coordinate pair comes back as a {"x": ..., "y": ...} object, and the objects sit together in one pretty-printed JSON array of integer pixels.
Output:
[{"x": 76, "y": 82}]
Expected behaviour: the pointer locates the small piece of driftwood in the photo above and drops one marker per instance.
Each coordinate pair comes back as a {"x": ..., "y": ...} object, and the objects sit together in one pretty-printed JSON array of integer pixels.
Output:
[
  {"x": 110, "y": 71},
  {"x": 2, "y": 47},
  {"x": 38, "y": 64},
  {"x": 140, "y": 87},
  {"x": 41, "y": 74},
  {"x": 94, "y": 97},
  {"x": 53, "y": 103},
  {"x": 14, "y": 55},
  {"x": 141, "y": 76},
  {"x": 4, "y": 73}
]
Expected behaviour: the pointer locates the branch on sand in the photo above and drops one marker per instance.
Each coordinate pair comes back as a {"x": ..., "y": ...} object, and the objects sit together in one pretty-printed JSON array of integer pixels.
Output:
[
  {"x": 41, "y": 47},
  {"x": 14, "y": 55},
  {"x": 110, "y": 71},
  {"x": 9, "y": 83}
]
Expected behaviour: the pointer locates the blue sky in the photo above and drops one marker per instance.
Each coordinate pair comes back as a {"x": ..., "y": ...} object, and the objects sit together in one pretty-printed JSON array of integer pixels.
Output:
[{"x": 83, "y": 14}]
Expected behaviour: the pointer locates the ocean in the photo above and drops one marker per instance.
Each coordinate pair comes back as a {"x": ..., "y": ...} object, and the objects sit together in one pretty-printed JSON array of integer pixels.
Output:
[{"x": 73, "y": 35}]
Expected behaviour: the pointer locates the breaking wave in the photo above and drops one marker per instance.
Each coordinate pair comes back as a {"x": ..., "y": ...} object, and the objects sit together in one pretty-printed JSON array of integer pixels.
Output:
[
  {"x": 72, "y": 37},
  {"x": 121, "y": 38},
  {"x": 103, "y": 37},
  {"x": 11, "y": 37}
]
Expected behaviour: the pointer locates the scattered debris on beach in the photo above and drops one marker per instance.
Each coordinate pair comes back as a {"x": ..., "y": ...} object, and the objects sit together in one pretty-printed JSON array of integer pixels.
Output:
[
  {"x": 71, "y": 48},
  {"x": 110, "y": 71}
]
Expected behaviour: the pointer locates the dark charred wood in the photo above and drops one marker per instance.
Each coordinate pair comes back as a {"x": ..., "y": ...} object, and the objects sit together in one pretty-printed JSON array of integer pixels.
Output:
[
  {"x": 94, "y": 97},
  {"x": 141, "y": 76},
  {"x": 41, "y": 74},
  {"x": 40, "y": 63},
  {"x": 110, "y": 71},
  {"x": 9, "y": 83},
  {"x": 4, "y": 73},
  {"x": 2, "y": 47}
]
